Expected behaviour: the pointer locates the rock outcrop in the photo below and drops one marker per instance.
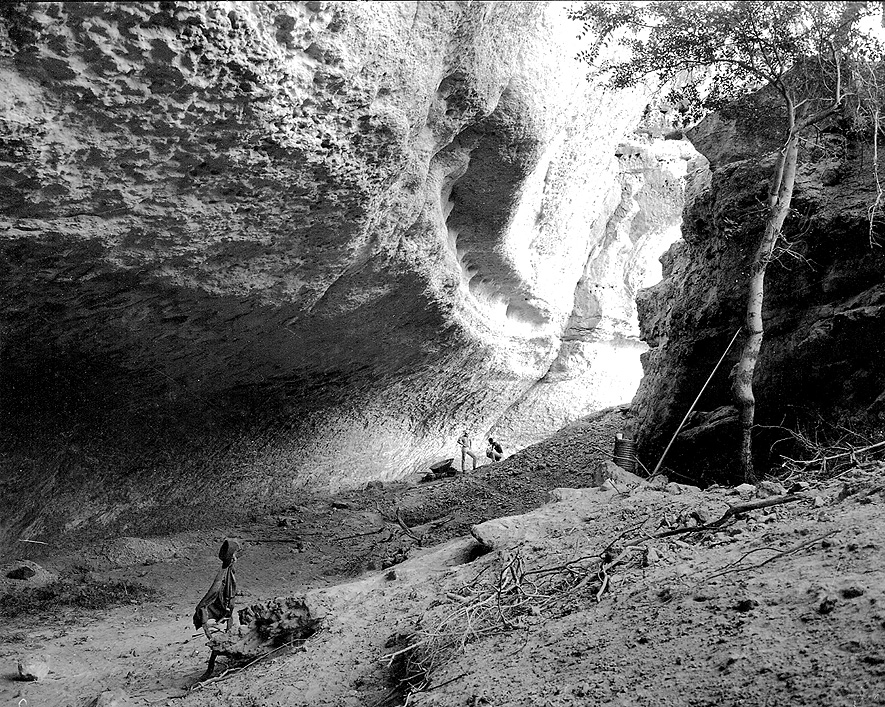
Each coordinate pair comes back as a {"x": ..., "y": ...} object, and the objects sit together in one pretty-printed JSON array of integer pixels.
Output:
[
  {"x": 824, "y": 305},
  {"x": 255, "y": 247},
  {"x": 598, "y": 360}
]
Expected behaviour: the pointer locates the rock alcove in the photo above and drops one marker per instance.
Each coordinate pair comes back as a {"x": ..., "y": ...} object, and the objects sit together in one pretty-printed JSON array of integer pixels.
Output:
[{"x": 262, "y": 247}]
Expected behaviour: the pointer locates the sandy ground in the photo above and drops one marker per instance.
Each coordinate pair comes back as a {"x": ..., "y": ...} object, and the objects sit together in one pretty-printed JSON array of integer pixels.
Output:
[{"x": 806, "y": 627}]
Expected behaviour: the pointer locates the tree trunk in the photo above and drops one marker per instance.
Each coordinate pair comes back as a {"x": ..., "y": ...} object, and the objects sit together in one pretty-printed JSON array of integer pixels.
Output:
[{"x": 780, "y": 194}]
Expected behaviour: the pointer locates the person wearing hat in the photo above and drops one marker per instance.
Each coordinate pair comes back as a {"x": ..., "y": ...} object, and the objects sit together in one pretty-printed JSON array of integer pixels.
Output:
[{"x": 218, "y": 603}]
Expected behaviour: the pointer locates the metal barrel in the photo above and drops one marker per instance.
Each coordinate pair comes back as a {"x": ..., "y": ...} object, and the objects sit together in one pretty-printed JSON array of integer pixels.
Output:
[{"x": 625, "y": 454}]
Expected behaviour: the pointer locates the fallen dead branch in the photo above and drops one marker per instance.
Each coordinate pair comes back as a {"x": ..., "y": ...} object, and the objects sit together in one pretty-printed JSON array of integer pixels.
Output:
[
  {"x": 735, "y": 566},
  {"x": 511, "y": 597},
  {"x": 734, "y": 512},
  {"x": 360, "y": 535},
  {"x": 406, "y": 529},
  {"x": 230, "y": 672},
  {"x": 831, "y": 457}
]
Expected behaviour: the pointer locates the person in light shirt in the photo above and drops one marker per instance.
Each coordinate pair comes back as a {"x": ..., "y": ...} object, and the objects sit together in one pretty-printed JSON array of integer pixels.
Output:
[{"x": 466, "y": 450}]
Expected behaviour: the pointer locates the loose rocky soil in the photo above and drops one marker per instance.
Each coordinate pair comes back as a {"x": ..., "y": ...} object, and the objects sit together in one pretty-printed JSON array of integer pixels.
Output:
[{"x": 807, "y": 627}]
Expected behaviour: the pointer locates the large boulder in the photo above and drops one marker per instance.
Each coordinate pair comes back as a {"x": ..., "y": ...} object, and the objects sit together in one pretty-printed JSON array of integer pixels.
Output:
[{"x": 255, "y": 247}]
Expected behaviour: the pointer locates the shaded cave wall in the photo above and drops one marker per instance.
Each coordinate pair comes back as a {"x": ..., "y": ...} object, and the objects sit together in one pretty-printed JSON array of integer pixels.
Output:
[
  {"x": 257, "y": 247},
  {"x": 821, "y": 362}
]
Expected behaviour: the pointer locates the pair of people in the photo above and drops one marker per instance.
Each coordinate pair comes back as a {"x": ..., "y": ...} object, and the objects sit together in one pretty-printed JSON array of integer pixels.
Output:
[{"x": 494, "y": 451}]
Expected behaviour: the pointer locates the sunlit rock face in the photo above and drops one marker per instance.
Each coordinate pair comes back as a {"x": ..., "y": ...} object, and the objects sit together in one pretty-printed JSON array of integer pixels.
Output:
[
  {"x": 598, "y": 364},
  {"x": 824, "y": 308},
  {"x": 255, "y": 246}
]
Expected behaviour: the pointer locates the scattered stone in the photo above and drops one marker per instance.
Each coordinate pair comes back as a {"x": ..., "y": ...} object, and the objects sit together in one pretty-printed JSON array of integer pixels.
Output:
[
  {"x": 603, "y": 470},
  {"x": 818, "y": 502},
  {"x": 622, "y": 477},
  {"x": 22, "y": 572},
  {"x": 112, "y": 698},
  {"x": 745, "y": 491},
  {"x": 659, "y": 482},
  {"x": 767, "y": 489},
  {"x": 745, "y": 605},
  {"x": 651, "y": 557},
  {"x": 675, "y": 489},
  {"x": 583, "y": 690},
  {"x": 390, "y": 576},
  {"x": 378, "y": 484},
  {"x": 701, "y": 516},
  {"x": 800, "y": 486},
  {"x": 340, "y": 505},
  {"x": 33, "y": 667},
  {"x": 731, "y": 660},
  {"x": 852, "y": 592},
  {"x": 558, "y": 495},
  {"x": 826, "y": 605}
]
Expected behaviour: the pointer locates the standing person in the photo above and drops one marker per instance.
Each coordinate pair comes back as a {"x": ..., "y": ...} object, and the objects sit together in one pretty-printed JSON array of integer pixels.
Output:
[
  {"x": 495, "y": 451},
  {"x": 466, "y": 449}
]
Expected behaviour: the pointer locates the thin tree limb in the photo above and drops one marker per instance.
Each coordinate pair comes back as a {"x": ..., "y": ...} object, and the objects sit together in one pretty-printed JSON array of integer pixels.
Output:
[
  {"x": 734, "y": 512},
  {"x": 840, "y": 456}
]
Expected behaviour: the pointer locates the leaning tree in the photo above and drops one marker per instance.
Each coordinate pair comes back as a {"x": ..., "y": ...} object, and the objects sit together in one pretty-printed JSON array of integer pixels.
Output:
[{"x": 819, "y": 58}]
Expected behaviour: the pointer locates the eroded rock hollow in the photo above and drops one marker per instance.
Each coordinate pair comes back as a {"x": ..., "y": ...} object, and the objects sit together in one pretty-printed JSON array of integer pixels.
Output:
[{"x": 252, "y": 247}]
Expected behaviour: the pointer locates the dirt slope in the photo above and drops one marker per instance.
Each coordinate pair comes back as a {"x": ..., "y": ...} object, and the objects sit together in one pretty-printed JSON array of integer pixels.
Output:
[{"x": 808, "y": 627}]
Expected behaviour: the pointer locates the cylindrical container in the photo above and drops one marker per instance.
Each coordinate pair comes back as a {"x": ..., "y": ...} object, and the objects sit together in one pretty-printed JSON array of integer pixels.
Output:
[{"x": 625, "y": 454}]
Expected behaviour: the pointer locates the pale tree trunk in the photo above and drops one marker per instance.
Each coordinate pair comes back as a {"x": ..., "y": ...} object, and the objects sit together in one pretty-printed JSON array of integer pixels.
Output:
[{"x": 779, "y": 196}]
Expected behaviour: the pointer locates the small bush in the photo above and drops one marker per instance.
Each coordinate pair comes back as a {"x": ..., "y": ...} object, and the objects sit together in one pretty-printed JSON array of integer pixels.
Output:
[{"x": 73, "y": 593}]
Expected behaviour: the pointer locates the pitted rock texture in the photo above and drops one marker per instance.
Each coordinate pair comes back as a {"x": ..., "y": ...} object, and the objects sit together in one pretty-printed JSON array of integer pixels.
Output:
[
  {"x": 257, "y": 246},
  {"x": 824, "y": 308}
]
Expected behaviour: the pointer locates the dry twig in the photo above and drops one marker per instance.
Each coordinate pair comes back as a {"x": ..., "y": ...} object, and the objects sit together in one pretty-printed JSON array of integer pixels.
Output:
[
  {"x": 734, "y": 566},
  {"x": 734, "y": 512},
  {"x": 493, "y": 603}
]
